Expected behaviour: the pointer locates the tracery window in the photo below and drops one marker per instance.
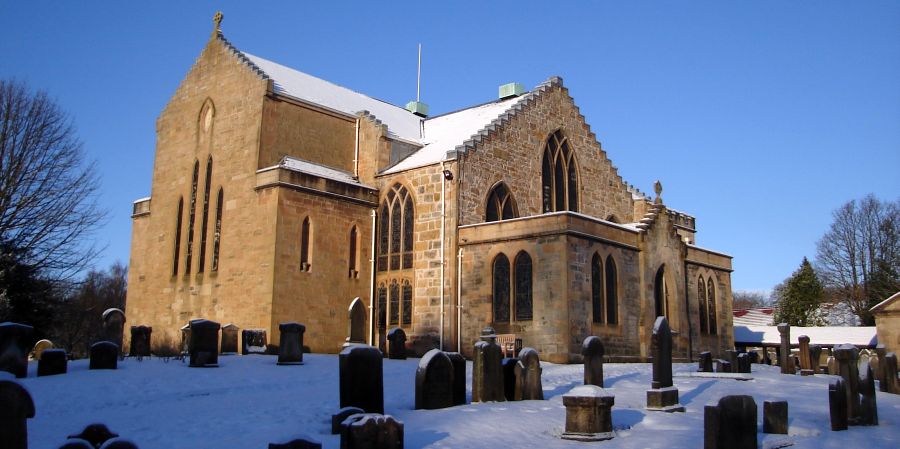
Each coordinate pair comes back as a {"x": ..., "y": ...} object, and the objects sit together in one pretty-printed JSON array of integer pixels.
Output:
[
  {"x": 217, "y": 236},
  {"x": 500, "y": 204},
  {"x": 178, "y": 236},
  {"x": 383, "y": 245},
  {"x": 501, "y": 289},
  {"x": 711, "y": 297},
  {"x": 396, "y": 233},
  {"x": 190, "y": 243},
  {"x": 523, "y": 290},
  {"x": 353, "y": 256},
  {"x": 406, "y": 316},
  {"x": 305, "y": 264},
  {"x": 612, "y": 299},
  {"x": 559, "y": 175},
  {"x": 703, "y": 305},
  {"x": 382, "y": 306},
  {"x": 395, "y": 304},
  {"x": 202, "y": 262},
  {"x": 661, "y": 293},
  {"x": 597, "y": 289}
]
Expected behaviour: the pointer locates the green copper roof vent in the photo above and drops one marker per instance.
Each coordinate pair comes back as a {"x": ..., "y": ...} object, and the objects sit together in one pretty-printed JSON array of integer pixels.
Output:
[
  {"x": 510, "y": 90},
  {"x": 418, "y": 108}
]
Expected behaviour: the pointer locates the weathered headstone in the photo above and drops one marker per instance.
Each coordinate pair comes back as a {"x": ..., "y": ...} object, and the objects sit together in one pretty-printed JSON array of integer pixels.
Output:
[
  {"x": 104, "y": 355},
  {"x": 16, "y": 409},
  {"x": 253, "y": 341},
  {"x": 119, "y": 443},
  {"x": 528, "y": 376},
  {"x": 371, "y": 431},
  {"x": 290, "y": 349},
  {"x": 357, "y": 323},
  {"x": 15, "y": 342},
  {"x": 846, "y": 356},
  {"x": 362, "y": 378},
  {"x": 592, "y": 352},
  {"x": 815, "y": 356},
  {"x": 731, "y": 357},
  {"x": 396, "y": 344},
  {"x": 795, "y": 363},
  {"x": 784, "y": 354},
  {"x": 40, "y": 347},
  {"x": 140, "y": 341},
  {"x": 889, "y": 371},
  {"x": 706, "y": 364},
  {"x": 662, "y": 396},
  {"x": 881, "y": 351},
  {"x": 487, "y": 372},
  {"x": 804, "y": 352},
  {"x": 459, "y": 377},
  {"x": 743, "y": 363},
  {"x": 509, "y": 378},
  {"x": 723, "y": 366},
  {"x": 298, "y": 443},
  {"x": 96, "y": 434},
  {"x": 775, "y": 417},
  {"x": 868, "y": 407},
  {"x": 837, "y": 404},
  {"x": 588, "y": 414},
  {"x": 113, "y": 326},
  {"x": 434, "y": 381},
  {"x": 204, "y": 344},
  {"x": 731, "y": 424},
  {"x": 341, "y": 415},
  {"x": 52, "y": 362},
  {"x": 831, "y": 364},
  {"x": 229, "y": 339}
]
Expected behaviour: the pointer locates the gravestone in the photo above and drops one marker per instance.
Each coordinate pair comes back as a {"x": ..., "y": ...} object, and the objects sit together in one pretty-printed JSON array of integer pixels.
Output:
[
  {"x": 743, "y": 363},
  {"x": 290, "y": 348},
  {"x": 40, "y": 347},
  {"x": 15, "y": 342},
  {"x": 361, "y": 378},
  {"x": 775, "y": 417},
  {"x": 52, "y": 362},
  {"x": 706, "y": 364},
  {"x": 592, "y": 352},
  {"x": 731, "y": 424},
  {"x": 881, "y": 351},
  {"x": 723, "y": 366},
  {"x": 784, "y": 354},
  {"x": 341, "y": 415},
  {"x": 253, "y": 341},
  {"x": 434, "y": 381},
  {"x": 186, "y": 338},
  {"x": 815, "y": 357},
  {"x": 96, "y": 434},
  {"x": 804, "y": 352},
  {"x": 298, "y": 443},
  {"x": 731, "y": 357},
  {"x": 357, "y": 322},
  {"x": 113, "y": 326},
  {"x": 396, "y": 344},
  {"x": 662, "y": 396},
  {"x": 846, "y": 356},
  {"x": 588, "y": 414},
  {"x": 487, "y": 371},
  {"x": 119, "y": 443},
  {"x": 104, "y": 355},
  {"x": 140, "y": 341},
  {"x": 528, "y": 376},
  {"x": 371, "y": 431},
  {"x": 837, "y": 404},
  {"x": 229, "y": 339},
  {"x": 459, "y": 377},
  {"x": 17, "y": 408},
  {"x": 889, "y": 371},
  {"x": 831, "y": 364},
  {"x": 509, "y": 378},
  {"x": 204, "y": 344},
  {"x": 868, "y": 407}
]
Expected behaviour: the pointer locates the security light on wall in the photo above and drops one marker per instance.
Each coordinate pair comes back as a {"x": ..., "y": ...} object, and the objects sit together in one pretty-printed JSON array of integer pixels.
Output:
[{"x": 448, "y": 175}]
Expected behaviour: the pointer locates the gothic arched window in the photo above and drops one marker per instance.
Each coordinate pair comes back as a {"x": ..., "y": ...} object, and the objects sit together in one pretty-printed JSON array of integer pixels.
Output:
[
  {"x": 711, "y": 297},
  {"x": 202, "y": 262},
  {"x": 189, "y": 251},
  {"x": 406, "y": 318},
  {"x": 396, "y": 237},
  {"x": 661, "y": 293},
  {"x": 702, "y": 305},
  {"x": 383, "y": 237},
  {"x": 523, "y": 286},
  {"x": 612, "y": 300},
  {"x": 305, "y": 263},
  {"x": 597, "y": 289},
  {"x": 381, "y": 306},
  {"x": 178, "y": 236},
  {"x": 353, "y": 256},
  {"x": 500, "y": 204},
  {"x": 559, "y": 175},
  {"x": 394, "y": 310},
  {"x": 217, "y": 236},
  {"x": 501, "y": 289},
  {"x": 407, "y": 247}
]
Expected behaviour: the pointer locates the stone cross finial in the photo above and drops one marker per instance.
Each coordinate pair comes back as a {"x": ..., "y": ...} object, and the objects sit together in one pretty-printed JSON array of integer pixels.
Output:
[
  {"x": 657, "y": 187},
  {"x": 217, "y": 19}
]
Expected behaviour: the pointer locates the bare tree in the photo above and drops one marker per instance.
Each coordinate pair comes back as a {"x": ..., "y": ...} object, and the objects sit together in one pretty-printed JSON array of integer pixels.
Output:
[
  {"x": 48, "y": 208},
  {"x": 748, "y": 299},
  {"x": 80, "y": 314},
  {"x": 862, "y": 242}
]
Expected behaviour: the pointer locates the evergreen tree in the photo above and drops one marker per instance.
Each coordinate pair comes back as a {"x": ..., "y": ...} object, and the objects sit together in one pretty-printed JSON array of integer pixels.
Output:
[
  {"x": 883, "y": 284},
  {"x": 800, "y": 298}
]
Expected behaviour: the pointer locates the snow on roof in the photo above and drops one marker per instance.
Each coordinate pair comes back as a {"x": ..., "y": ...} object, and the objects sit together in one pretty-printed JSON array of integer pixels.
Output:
[
  {"x": 294, "y": 83},
  {"x": 753, "y": 317},
  {"x": 825, "y": 335},
  {"x": 444, "y": 132},
  {"x": 878, "y": 307},
  {"x": 310, "y": 168}
]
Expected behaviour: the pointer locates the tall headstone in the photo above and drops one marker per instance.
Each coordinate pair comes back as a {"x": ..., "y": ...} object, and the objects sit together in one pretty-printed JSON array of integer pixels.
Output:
[
  {"x": 113, "y": 326},
  {"x": 868, "y": 408},
  {"x": 743, "y": 363},
  {"x": 40, "y": 347},
  {"x": 140, "y": 341},
  {"x": 17, "y": 408},
  {"x": 362, "y": 378},
  {"x": 731, "y": 424},
  {"x": 731, "y": 356},
  {"x": 290, "y": 348},
  {"x": 487, "y": 371},
  {"x": 229, "y": 339},
  {"x": 588, "y": 414},
  {"x": 804, "y": 352},
  {"x": 15, "y": 342},
  {"x": 775, "y": 417},
  {"x": 662, "y": 396},
  {"x": 881, "y": 351},
  {"x": 889, "y": 371},
  {"x": 357, "y": 323},
  {"x": 52, "y": 362},
  {"x": 204, "y": 344},
  {"x": 371, "y": 431},
  {"x": 459, "y": 377},
  {"x": 592, "y": 353},
  {"x": 846, "y": 356},
  {"x": 253, "y": 341},
  {"x": 396, "y": 344},
  {"x": 784, "y": 354},
  {"x": 706, "y": 363},
  {"x": 837, "y": 404},
  {"x": 104, "y": 355},
  {"x": 831, "y": 364},
  {"x": 509, "y": 377},
  {"x": 434, "y": 381},
  {"x": 528, "y": 376}
]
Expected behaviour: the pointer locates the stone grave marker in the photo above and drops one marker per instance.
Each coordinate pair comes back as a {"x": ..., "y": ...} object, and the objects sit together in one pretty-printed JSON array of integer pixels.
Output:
[
  {"x": 592, "y": 352},
  {"x": 731, "y": 357},
  {"x": 434, "y": 381},
  {"x": 754, "y": 357},
  {"x": 371, "y": 431},
  {"x": 743, "y": 363},
  {"x": 487, "y": 371},
  {"x": 253, "y": 341},
  {"x": 459, "y": 377},
  {"x": 837, "y": 404},
  {"x": 396, "y": 344},
  {"x": 96, "y": 434},
  {"x": 140, "y": 341},
  {"x": 229, "y": 339},
  {"x": 290, "y": 348},
  {"x": 298, "y": 443},
  {"x": 815, "y": 357},
  {"x": 784, "y": 354},
  {"x": 15, "y": 342},
  {"x": 204, "y": 344},
  {"x": 868, "y": 407},
  {"x": 889, "y": 371},
  {"x": 341, "y": 415},
  {"x": 528, "y": 376},
  {"x": 881, "y": 352},
  {"x": 104, "y": 355},
  {"x": 706, "y": 364},
  {"x": 775, "y": 417},
  {"x": 731, "y": 424},
  {"x": 723, "y": 366},
  {"x": 40, "y": 347},
  {"x": 804, "y": 353},
  {"x": 831, "y": 364},
  {"x": 113, "y": 326},
  {"x": 662, "y": 396},
  {"x": 509, "y": 377},
  {"x": 362, "y": 378},
  {"x": 17, "y": 408},
  {"x": 356, "y": 323},
  {"x": 846, "y": 356},
  {"x": 185, "y": 338},
  {"x": 52, "y": 362},
  {"x": 588, "y": 414}
]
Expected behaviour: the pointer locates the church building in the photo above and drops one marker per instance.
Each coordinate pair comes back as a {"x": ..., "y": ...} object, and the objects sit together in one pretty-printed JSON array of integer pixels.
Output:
[{"x": 277, "y": 196}]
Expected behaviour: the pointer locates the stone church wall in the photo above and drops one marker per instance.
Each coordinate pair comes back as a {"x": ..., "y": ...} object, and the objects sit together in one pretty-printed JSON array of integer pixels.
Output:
[{"x": 305, "y": 132}]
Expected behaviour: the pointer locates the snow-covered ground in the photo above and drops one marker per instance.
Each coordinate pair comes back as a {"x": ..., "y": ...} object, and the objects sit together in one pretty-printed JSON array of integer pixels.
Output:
[{"x": 249, "y": 402}]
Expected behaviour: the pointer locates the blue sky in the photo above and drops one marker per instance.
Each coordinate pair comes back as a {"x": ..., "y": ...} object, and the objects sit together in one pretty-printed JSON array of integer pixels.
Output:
[{"x": 759, "y": 118}]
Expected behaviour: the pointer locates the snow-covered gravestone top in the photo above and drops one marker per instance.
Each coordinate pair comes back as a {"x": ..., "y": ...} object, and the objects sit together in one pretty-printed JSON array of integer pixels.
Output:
[
  {"x": 52, "y": 362},
  {"x": 16, "y": 409},
  {"x": 371, "y": 431},
  {"x": 113, "y": 325},
  {"x": 290, "y": 349},
  {"x": 362, "y": 378},
  {"x": 588, "y": 414},
  {"x": 592, "y": 353},
  {"x": 434, "y": 381},
  {"x": 14, "y": 347}
]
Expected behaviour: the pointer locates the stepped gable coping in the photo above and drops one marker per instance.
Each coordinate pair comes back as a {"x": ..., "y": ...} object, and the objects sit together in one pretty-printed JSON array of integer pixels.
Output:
[{"x": 241, "y": 56}]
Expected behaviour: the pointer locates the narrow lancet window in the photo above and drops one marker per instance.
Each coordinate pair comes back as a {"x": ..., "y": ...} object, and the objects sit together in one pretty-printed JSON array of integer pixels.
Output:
[
  {"x": 703, "y": 306},
  {"x": 612, "y": 293},
  {"x": 353, "y": 256},
  {"x": 396, "y": 236},
  {"x": 201, "y": 264},
  {"x": 408, "y": 215},
  {"x": 189, "y": 251},
  {"x": 407, "y": 304},
  {"x": 395, "y": 303},
  {"x": 177, "y": 236},
  {"x": 383, "y": 237},
  {"x": 305, "y": 263},
  {"x": 597, "y": 289},
  {"x": 523, "y": 277},
  {"x": 711, "y": 297},
  {"x": 501, "y": 289},
  {"x": 217, "y": 237},
  {"x": 559, "y": 175}
]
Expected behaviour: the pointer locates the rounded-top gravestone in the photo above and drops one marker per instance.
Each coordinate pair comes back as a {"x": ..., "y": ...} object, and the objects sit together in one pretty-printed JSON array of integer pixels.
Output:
[
  {"x": 104, "y": 355},
  {"x": 229, "y": 339},
  {"x": 397, "y": 344},
  {"x": 113, "y": 325},
  {"x": 434, "y": 381},
  {"x": 52, "y": 362},
  {"x": 40, "y": 347},
  {"x": 528, "y": 376},
  {"x": 592, "y": 352},
  {"x": 362, "y": 378}
]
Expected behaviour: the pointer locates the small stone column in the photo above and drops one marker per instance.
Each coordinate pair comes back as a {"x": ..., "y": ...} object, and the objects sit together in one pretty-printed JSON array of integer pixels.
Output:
[
  {"x": 815, "y": 354},
  {"x": 588, "y": 414},
  {"x": 487, "y": 370},
  {"x": 805, "y": 365},
  {"x": 881, "y": 351},
  {"x": 775, "y": 417},
  {"x": 784, "y": 356},
  {"x": 17, "y": 408}
]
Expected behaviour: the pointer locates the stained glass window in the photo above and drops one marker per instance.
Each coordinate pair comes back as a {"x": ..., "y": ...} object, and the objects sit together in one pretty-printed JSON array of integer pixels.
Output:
[
  {"x": 501, "y": 289},
  {"x": 523, "y": 287},
  {"x": 382, "y": 306},
  {"x": 612, "y": 300},
  {"x": 711, "y": 297},
  {"x": 703, "y": 306},
  {"x": 201, "y": 264},
  {"x": 597, "y": 289},
  {"x": 190, "y": 243},
  {"x": 383, "y": 237},
  {"x": 407, "y": 303},
  {"x": 559, "y": 175},
  {"x": 178, "y": 236},
  {"x": 217, "y": 236},
  {"x": 408, "y": 214},
  {"x": 500, "y": 204},
  {"x": 395, "y": 304}
]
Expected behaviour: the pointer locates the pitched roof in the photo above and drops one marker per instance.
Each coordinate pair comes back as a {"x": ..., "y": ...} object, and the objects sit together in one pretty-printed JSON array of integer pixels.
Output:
[
  {"x": 824, "y": 335},
  {"x": 311, "y": 168},
  {"x": 753, "y": 317},
  {"x": 883, "y": 304}
]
